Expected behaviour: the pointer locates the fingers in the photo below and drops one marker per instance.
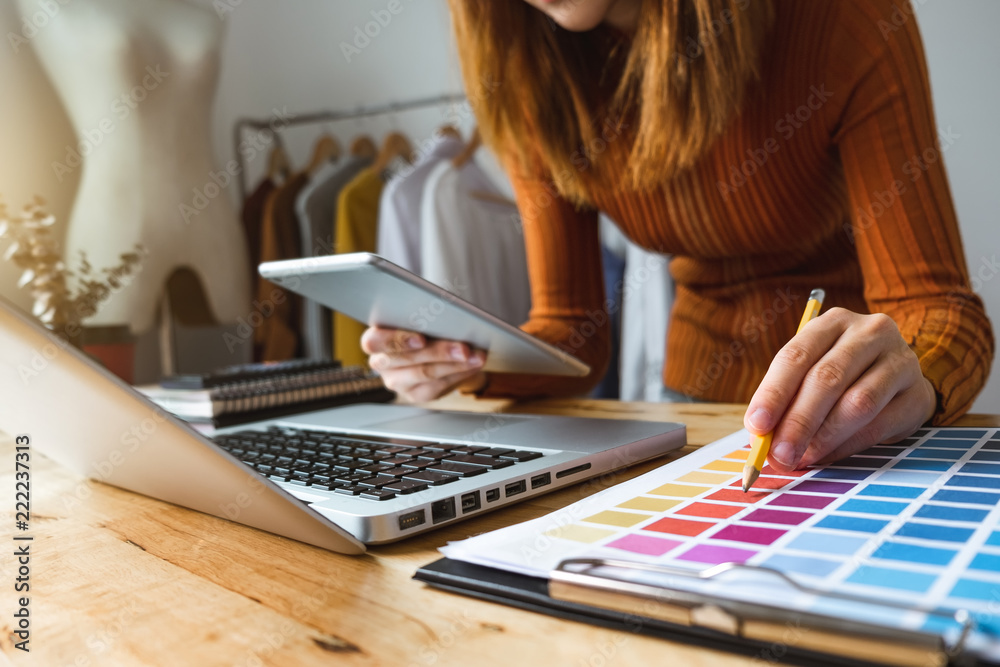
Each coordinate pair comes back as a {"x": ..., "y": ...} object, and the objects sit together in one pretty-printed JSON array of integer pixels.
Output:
[
  {"x": 788, "y": 370},
  {"x": 390, "y": 341},
  {"x": 441, "y": 351},
  {"x": 896, "y": 421},
  {"x": 422, "y": 392}
]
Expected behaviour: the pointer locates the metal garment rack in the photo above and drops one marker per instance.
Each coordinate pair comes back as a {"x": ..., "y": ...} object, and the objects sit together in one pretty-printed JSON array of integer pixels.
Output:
[{"x": 273, "y": 127}]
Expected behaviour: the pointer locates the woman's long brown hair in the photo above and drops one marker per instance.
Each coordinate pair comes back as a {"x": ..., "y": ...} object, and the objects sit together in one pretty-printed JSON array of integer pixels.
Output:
[{"x": 542, "y": 95}]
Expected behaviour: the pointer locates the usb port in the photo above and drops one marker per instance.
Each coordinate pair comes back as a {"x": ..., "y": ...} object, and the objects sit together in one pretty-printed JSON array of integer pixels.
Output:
[
  {"x": 411, "y": 520},
  {"x": 515, "y": 488},
  {"x": 470, "y": 502},
  {"x": 541, "y": 480},
  {"x": 492, "y": 495}
]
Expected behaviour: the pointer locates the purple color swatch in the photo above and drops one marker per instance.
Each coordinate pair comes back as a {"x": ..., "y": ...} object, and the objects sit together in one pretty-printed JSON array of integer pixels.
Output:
[
  {"x": 713, "y": 555},
  {"x": 640, "y": 544},
  {"x": 823, "y": 487},
  {"x": 800, "y": 500},
  {"x": 777, "y": 516},
  {"x": 748, "y": 534}
]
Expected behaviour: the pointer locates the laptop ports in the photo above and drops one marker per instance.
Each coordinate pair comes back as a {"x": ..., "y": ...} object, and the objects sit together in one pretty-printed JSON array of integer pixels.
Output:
[
  {"x": 541, "y": 480},
  {"x": 470, "y": 502},
  {"x": 515, "y": 488},
  {"x": 411, "y": 520},
  {"x": 442, "y": 510},
  {"x": 492, "y": 495}
]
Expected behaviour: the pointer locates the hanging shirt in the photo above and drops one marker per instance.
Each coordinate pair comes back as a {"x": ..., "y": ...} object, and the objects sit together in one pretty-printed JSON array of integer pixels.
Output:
[
  {"x": 471, "y": 242},
  {"x": 355, "y": 231},
  {"x": 277, "y": 336},
  {"x": 399, "y": 209},
  {"x": 316, "y": 207},
  {"x": 252, "y": 216}
]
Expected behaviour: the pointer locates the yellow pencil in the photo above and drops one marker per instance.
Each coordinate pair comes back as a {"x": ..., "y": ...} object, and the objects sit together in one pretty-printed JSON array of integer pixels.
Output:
[{"x": 760, "y": 445}]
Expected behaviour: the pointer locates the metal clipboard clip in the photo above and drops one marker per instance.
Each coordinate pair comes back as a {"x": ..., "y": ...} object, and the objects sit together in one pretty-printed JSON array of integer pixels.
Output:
[{"x": 577, "y": 580}]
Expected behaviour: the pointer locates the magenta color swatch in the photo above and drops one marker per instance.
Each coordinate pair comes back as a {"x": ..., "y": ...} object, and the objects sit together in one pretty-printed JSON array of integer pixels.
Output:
[
  {"x": 713, "y": 555},
  {"x": 640, "y": 544},
  {"x": 817, "y": 486},
  {"x": 798, "y": 500},
  {"x": 749, "y": 534},
  {"x": 777, "y": 516}
]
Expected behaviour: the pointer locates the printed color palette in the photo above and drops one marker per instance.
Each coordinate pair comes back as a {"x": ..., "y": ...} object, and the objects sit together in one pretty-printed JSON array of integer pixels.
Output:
[{"x": 917, "y": 522}]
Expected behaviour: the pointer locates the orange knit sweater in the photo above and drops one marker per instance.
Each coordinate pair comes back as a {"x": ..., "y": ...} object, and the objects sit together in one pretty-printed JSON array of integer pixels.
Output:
[{"x": 831, "y": 176}]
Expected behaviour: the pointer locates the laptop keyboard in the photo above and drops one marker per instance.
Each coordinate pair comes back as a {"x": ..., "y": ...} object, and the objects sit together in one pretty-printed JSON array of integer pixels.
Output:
[{"x": 367, "y": 467}]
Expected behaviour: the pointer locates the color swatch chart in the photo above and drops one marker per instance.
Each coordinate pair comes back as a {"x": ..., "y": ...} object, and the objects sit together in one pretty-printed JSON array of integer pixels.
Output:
[{"x": 917, "y": 523}]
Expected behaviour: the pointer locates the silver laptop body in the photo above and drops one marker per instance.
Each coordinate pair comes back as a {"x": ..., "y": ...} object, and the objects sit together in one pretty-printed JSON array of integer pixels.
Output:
[{"x": 82, "y": 416}]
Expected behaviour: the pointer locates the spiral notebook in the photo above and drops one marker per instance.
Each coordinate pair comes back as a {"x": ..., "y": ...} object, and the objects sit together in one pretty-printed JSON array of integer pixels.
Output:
[{"x": 263, "y": 395}]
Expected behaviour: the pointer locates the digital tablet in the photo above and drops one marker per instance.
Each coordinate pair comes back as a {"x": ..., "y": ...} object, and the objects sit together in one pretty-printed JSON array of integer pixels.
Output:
[{"x": 377, "y": 292}]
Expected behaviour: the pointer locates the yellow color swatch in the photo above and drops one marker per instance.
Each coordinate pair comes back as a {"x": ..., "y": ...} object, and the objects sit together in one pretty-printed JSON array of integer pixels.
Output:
[
  {"x": 678, "y": 491},
  {"x": 612, "y": 518},
  {"x": 579, "y": 533},
  {"x": 725, "y": 466},
  {"x": 697, "y": 477},
  {"x": 740, "y": 454},
  {"x": 649, "y": 504}
]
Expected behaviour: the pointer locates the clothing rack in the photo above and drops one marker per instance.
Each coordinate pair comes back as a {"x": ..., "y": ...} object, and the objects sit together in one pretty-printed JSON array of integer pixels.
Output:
[{"x": 267, "y": 125}]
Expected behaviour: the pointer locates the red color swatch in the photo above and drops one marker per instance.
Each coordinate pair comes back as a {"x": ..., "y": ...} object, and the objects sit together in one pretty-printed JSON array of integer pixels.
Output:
[
  {"x": 768, "y": 470},
  {"x": 731, "y": 496},
  {"x": 710, "y": 510},
  {"x": 679, "y": 526},
  {"x": 766, "y": 483}
]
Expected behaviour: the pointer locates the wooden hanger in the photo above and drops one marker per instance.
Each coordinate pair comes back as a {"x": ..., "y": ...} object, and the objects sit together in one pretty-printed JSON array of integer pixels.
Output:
[
  {"x": 475, "y": 141},
  {"x": 395, "y": 145},
  {"x": 363, "y": 146},
  {"x": 327, "y": 149},
  {"x": 279, "y": 167}
]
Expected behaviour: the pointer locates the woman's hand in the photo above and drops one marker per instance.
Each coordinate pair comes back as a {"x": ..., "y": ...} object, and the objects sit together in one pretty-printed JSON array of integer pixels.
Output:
[
  {"x": 420, "y": 370},
  {"x": 845, "y": 382}
]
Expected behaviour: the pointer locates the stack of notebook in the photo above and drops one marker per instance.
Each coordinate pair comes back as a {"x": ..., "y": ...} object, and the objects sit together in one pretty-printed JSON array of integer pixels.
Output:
[{"x": 251, "y": 392}]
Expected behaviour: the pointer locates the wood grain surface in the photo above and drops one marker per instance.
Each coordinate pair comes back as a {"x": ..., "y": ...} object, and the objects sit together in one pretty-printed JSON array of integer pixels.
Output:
[{"x": 122, "y": 579}]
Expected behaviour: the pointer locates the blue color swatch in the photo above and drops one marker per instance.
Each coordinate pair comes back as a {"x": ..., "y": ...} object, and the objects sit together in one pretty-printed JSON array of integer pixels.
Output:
[
  {"x": 914, "y": 554},
  {"x": 886, "y": 578},
  {"x": 987, "y": 562},
  {"x": 921, "y": 464},
  {"x": 981, "y": 468},
  {"x": 986, "y": 456},
  {"x": 952, "y": 454},
  {"x": 840, "y": 522},
  {"x": 886, "y": 491},
  {"x": 951, "y": 513},
  {"x": 835, "y": 473},
  {"x": 967, "y": 434},
  {"x": 976, "y": 590},
  {"x": 994, "y": 539},
  {"x": 973, "y": 497},
  {"x": 872, "y": 506},
  {"x": 843, "y": 545},
  {"x": 802, "y": 564},
  {"x": 923, "y": 479},
  {"x": 930, "y": 531},
  {"x": 974, "y": 481}
]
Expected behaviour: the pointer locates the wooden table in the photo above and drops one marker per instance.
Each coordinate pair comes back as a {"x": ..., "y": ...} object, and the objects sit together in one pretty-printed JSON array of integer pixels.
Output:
[{"x": 122, "y": 579}]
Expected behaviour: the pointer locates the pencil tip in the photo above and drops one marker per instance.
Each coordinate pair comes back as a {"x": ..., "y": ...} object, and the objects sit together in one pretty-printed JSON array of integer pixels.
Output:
[{"x": 750, "y": 475}]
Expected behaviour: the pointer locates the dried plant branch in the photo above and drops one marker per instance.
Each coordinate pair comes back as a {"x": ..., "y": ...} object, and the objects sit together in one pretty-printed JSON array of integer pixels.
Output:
[{"x": 63, "y": 298}]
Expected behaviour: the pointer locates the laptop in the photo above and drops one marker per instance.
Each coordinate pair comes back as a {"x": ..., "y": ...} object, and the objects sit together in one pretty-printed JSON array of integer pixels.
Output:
[{"x": 340, "y": 478}]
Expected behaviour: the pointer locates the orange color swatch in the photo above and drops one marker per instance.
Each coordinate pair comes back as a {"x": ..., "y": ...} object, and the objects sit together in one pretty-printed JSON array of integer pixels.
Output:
[
  {"x": 679, "y": 526},
  {"x": 710, "y": 510}
]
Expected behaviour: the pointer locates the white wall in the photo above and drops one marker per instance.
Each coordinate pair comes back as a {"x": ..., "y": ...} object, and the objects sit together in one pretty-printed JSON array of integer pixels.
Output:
[
  {"x": 963, "y": 56},
  {"x": 288, "y": 54}
]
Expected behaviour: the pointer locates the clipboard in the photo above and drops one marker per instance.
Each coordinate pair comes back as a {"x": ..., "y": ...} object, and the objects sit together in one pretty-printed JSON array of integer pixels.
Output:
[{"x": 580, "y": 590}]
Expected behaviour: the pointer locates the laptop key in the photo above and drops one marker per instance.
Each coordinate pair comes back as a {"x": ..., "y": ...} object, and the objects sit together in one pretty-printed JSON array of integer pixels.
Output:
[
  {"x": 442, "y": 446},
  {"x": 404, "y": 486},
  {"x": 495, "y": 452},
  {"x": 300, "y": 482},
  {"x": 521, "y": 456},
  {"x": 397, "y": 460},
  {"x": 378, "y": 494},
  {"x": 475, "y": 459},
  {"x": 398, "y": 471},
  {"x": 349, "y": 490},
  {"x": 463, "y": 469},
  {"x": 419, "y": 464},
  {"x": 375, "y": 482},
  {"x": 430, "y": 477},
  {"x": 376, "y": 468},
  {"x": 435, "y": 455},
  {"x": 354, "y": 477}
]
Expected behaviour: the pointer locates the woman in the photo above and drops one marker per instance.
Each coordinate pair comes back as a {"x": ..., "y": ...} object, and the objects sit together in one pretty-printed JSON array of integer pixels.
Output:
[{"x": 770, "y": 146}]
